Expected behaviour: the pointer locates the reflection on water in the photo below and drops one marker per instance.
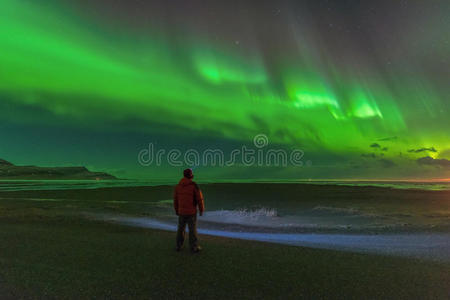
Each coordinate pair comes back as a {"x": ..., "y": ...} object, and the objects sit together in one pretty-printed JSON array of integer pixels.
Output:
[{"x": 433, "y": 246}]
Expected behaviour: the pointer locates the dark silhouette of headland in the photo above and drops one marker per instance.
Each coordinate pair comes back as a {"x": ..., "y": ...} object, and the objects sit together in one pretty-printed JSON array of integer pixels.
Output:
[{"x": 10, "y": 171}]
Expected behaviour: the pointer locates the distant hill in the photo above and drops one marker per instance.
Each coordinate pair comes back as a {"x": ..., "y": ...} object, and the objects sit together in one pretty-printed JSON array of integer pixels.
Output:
[{"x": 11, "y": 171}]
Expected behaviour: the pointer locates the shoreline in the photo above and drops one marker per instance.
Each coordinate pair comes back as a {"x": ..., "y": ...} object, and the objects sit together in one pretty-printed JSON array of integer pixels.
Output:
[
  {"x": 430, "y": 246},
  {"x": 292, "y": 207},
  {"x": 51, "y": 250}
]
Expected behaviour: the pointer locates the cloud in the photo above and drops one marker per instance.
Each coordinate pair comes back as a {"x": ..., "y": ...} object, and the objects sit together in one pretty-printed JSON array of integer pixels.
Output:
[
  {"x": 392, "y": 138},
  {"x": 386, "y": 163},
  {"x": 427, "y": 160},
  {"x": 378, "y": 146},
  {"x": 432, "y": 149}
]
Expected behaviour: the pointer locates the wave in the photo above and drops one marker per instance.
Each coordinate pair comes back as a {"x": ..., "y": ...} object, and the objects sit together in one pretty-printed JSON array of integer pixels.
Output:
[
  {"x": 245, "y": 213},
  {"x": 316, "y": 218},
  {"x": 257, "y": 217},
  {"x": 326, "y": 218}
]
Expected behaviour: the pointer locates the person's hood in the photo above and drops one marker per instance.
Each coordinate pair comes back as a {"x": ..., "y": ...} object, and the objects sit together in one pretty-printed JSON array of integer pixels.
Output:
[{"x": 185, "y": 181}]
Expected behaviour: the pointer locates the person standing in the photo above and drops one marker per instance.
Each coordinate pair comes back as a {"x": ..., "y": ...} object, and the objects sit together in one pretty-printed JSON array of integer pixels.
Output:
[{"x": 186, "y": 198}]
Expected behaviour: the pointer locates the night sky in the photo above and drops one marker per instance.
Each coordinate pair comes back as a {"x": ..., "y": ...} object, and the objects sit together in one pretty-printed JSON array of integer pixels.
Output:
[{"x": 362, "y": 87}]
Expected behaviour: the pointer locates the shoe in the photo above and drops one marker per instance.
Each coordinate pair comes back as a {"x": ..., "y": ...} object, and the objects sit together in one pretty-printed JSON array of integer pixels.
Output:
[{"x": 197, "y": 249}]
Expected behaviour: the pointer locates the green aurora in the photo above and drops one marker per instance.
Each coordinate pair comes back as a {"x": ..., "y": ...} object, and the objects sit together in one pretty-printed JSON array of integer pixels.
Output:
[{"x": 65, "y": 69}]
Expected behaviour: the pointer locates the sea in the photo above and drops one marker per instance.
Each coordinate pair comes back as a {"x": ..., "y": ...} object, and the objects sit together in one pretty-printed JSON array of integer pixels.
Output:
[{"x": 22, "y": 185}]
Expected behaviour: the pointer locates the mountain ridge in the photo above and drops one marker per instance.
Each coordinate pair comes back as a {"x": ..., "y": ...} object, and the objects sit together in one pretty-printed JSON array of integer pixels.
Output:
[{"x": 9, "y": 170}]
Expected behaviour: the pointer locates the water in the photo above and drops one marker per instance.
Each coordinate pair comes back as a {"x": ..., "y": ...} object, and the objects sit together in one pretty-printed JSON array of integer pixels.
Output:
[
  {"x": 430, "y": 186},
  {"x": 418, "y": 185},
  {"x": 318, "y": 217},
  {"x": 19, "y": 185},
  {"x": 33, "y": 185},
  {"x": 412, "y": 224},
  {"x": 435, "y": 246}
]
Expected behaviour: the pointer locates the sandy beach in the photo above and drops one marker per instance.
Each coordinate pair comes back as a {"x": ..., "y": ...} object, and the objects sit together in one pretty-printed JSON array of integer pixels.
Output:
[{"x": 366, "y": 235}]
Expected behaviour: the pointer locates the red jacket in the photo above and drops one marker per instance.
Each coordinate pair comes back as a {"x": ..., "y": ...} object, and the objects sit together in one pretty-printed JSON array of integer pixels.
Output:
[{"x": 186, "y": 197}]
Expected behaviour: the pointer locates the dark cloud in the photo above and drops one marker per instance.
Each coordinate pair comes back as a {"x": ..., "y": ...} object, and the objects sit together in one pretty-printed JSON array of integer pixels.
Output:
[
  {"x": 378, "y": 146},
  {"x": 386, "y": 163},
  {"x": 432, "y": 149},
  {"x": 369, "y": 155},
  {"x": 427, "y": 160},
  {"x": 392, "y": 138}
]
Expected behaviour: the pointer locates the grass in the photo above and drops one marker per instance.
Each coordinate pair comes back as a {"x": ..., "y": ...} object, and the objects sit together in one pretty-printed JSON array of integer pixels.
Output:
[{"x": 68, "y": 257}]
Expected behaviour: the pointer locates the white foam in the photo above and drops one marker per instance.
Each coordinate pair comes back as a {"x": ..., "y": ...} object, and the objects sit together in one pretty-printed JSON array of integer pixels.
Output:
[
  {"x": 269, "y": 218},
  {"x": 256, "y": 217}
]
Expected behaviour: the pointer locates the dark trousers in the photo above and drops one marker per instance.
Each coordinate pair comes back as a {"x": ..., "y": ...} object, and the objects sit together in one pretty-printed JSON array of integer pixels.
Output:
[{"x": 191, "y": 221}]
